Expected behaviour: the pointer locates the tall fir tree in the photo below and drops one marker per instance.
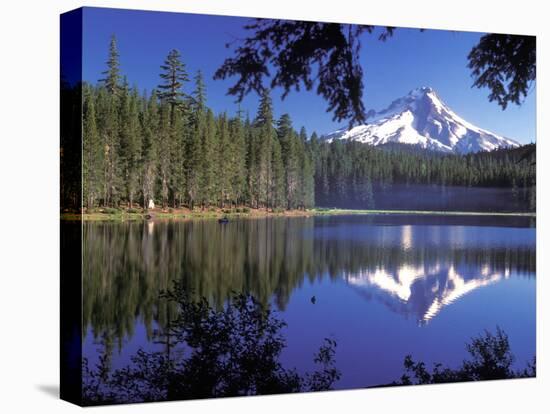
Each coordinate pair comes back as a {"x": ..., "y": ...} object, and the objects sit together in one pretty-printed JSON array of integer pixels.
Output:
[
  {"x": 172, "y": 154},
  {"x": 238, "y": 149},
  {"x": 223, "y": 161},
  {"x": 111, "y": 80},
  {"x": 264, "y": 136},
  {"x": 197, "y": 130},
  {"x": 150, "y": 124},
  {"x": 208, "y": 186},
  {"x": 93, "y": 154},
  {"x": 174, "y": 76},
  {"x": 291, "y": 161}
]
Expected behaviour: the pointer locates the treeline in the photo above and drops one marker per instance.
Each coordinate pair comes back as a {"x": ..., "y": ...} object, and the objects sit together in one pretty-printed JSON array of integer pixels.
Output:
[
  {"x": 171, "y": 148},
  {"x": 355, "y": 173}
]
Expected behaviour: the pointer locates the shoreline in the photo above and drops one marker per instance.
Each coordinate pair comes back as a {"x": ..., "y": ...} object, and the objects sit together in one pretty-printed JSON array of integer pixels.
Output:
[{"x": 185, "y": 214}]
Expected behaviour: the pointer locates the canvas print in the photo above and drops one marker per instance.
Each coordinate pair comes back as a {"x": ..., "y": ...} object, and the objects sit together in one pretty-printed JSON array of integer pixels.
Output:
[{"x": 261, "y": 206}]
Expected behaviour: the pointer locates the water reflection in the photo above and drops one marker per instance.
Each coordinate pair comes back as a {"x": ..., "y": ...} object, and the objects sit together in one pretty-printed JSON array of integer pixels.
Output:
[
  {"x": 414, "y": 266},
  {"x": 421, "y": 292}
]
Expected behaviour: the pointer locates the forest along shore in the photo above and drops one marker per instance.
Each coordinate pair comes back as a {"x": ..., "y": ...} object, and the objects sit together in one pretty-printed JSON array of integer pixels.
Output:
[{"x": 111, "y": 214}]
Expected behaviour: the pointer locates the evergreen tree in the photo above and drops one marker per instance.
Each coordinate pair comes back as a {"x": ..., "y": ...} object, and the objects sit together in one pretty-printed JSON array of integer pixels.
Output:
[
  {"x": 92, "y": 156},
  {"x": 135, "y": 142},
  {"x": 264, "y": 138},
  {"x": 277, "y": 188},
  {"x": 238, "y": 150},
  {"x": 108, "y": 125},
  {"x": 223, "y": 161},
  {"x": 165, "y": 137},
  {"x": 289, "y": 149},
  {"x": 174, "y": 77},
  {"x": 112, "y": 74},
  {"x": 171, "y": 147},
  {"x": 178, "y": 160},
  {"x": 150, "y": 123},
  {"x": 208, "y": 184},
  {"x": 194, "y": 149}
]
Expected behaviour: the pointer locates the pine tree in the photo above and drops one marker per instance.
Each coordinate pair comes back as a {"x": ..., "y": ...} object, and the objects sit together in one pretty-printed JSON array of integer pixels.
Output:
[
  {"x": 134, "y": 150},
  {"x": 174, "y": 76},
  {"x": 150, "y": 123},
  {"x": 208, "y": 183},
  {"x": 178, "y": 137},
  {"x": 238, "y": 159},
  {"x": 289, "y": 149},
  {"x": 252, "y": 162},
  {"x": 112, "y": 74},
  {"x": 194, "y": 148},
  {"x": 107, "y": 115},
  {"x": 264, "y": 136},
  {"x": 164, "y": 151},
  {"x": 277, "y": 188},
  {"x": 92, "y": 156},
  {"x": 172, "y": 145},
  {"x": 223, "y": 161}
]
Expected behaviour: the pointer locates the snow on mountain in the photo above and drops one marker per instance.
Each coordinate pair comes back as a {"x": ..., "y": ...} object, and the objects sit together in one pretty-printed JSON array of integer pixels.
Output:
[{"x": 421, "y": 118}]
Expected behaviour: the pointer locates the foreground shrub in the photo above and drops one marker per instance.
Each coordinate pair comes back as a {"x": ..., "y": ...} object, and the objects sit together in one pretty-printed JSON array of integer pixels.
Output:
[
  {"x": 229, "y": 352},
  {"x": 490, "y": 358}
]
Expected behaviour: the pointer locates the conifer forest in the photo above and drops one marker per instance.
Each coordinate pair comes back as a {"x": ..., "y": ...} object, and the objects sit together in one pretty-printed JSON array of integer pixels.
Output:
[{"x": 168, "y": 146}]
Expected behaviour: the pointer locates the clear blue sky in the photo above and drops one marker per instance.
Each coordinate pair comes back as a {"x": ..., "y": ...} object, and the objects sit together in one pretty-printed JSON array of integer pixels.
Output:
[{"x": 410, "y": 59}]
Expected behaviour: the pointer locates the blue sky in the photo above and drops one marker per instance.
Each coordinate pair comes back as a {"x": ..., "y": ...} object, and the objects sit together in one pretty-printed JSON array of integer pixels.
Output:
[{"x": 410, "y": 59}]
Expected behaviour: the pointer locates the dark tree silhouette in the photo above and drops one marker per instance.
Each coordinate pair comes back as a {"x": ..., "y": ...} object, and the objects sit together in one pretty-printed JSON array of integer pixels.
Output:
[
  {"x": 506, "y": 64},
  {"x": 491, "y": 359},
  {"x": 295, "y": 49},
  {"x": 215, "y": 353}
]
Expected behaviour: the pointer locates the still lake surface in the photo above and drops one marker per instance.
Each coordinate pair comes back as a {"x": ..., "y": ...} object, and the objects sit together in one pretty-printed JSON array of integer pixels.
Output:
[{"x": 384, "y": 285}]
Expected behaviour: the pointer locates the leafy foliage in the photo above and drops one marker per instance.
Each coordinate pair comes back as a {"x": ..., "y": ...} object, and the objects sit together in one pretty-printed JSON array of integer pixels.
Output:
[
  {"x": 491, "y": 358},
  {"x": 294, "y": 49},
  {"x": 229, "y": 352},
  {"x": 506, "y": 64}
]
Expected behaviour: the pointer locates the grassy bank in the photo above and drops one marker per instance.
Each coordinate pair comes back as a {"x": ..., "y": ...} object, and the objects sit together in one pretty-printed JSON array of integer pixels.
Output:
[{"x": 111, "y": 214}]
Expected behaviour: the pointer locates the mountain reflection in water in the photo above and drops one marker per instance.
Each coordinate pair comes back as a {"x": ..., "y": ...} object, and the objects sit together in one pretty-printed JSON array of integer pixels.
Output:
[{"x": 416, "y": 266}]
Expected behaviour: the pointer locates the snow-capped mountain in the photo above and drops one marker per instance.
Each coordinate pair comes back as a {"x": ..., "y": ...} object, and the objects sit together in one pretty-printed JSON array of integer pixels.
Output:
[{"x": 421, "y": 118}]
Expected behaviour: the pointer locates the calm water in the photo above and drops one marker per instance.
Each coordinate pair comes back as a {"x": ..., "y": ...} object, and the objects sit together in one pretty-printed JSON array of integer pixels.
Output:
[{"x": 385, "y": 286}]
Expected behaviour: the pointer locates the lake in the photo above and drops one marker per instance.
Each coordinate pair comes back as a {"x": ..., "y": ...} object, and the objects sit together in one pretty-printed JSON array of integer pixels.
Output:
[{"x": 383, "y": 286}]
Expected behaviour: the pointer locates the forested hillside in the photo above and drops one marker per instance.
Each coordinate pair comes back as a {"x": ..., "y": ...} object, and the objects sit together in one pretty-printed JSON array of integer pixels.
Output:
[
  {"x": 169, "y": 146},
  {"x": 353, "y": 174}
]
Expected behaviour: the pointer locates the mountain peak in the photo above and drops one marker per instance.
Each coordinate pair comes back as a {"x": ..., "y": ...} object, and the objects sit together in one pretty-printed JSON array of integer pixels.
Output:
[
  {"x": 422, "y": 90},
  {"x": 421, "y": 118}
]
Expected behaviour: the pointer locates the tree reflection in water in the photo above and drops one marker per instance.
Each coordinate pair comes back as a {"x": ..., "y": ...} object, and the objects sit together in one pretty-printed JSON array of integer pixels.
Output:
[
  {"x": 127, "y": 264},
  {"x": 210, "y": 352},
  {"x": 412, "y": 270}
]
